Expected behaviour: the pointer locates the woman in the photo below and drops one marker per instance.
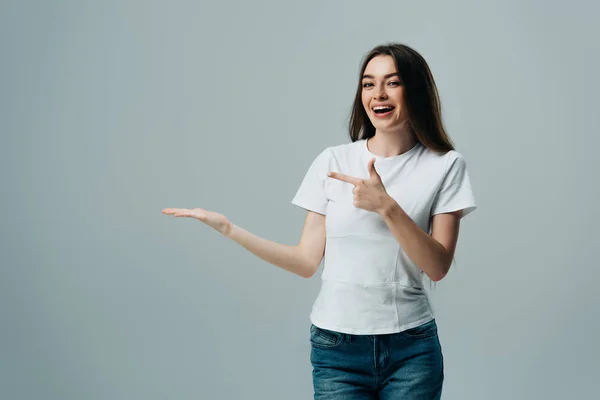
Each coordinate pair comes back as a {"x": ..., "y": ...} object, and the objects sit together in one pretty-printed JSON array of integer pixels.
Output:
[{"x": 388, "y": 205}]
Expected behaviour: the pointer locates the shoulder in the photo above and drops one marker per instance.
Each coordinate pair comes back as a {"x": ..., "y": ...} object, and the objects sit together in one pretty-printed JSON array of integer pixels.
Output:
[
  {"x": 446, "y": 160},
  {"x": 455, "y": 161},
  {"x": 339, "y": 151},
  {"x": 346, "y": 151},
  {"x": 454, "y": 155},
  {"x": 453, "y": 167},
  {"x": 343, "y": 148}
]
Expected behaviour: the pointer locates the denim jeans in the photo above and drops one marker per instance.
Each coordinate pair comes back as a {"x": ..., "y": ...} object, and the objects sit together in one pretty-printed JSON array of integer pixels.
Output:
[{"x": 406, "y": 365}]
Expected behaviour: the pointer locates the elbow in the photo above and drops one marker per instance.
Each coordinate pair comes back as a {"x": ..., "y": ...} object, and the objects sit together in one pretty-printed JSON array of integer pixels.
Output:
[
  {"x": 309, "y": 270},
  {"x": 437, "y": 276},
  {"x": 440, "y": 270},
  {"x": 308, "y": 265},
  {"x": 439, "y": 273}
]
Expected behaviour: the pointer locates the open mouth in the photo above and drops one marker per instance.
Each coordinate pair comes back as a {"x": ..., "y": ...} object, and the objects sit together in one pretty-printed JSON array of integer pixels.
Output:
[{"x": 382, "y": 110}]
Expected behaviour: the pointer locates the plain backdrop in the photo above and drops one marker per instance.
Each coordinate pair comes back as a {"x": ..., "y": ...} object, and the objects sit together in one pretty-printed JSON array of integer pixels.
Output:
[{"x": 113, "y": 110}]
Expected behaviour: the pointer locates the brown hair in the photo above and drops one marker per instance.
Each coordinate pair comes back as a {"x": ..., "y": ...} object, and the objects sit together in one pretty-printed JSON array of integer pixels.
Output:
[{"x": 420, "y": 96}]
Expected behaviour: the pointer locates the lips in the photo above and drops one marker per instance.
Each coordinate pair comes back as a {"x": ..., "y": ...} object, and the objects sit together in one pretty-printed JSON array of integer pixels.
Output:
[{"x": 382, "y": 110}]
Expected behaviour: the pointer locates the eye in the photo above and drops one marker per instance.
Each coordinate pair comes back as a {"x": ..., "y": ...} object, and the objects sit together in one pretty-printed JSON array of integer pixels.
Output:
[
  {"x": 394, "y": 83},
  {"x": 367, "y": 84}
]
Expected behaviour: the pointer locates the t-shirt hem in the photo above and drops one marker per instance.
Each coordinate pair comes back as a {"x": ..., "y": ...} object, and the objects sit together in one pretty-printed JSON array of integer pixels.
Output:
[
  {"x": 396, "y": 328},
  {"x": 309, "y": 207},
  {"x": 467, "y": 209}
]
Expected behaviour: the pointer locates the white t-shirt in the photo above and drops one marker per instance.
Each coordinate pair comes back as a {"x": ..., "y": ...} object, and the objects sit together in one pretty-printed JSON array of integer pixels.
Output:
[{"x": 368, "y": 284}]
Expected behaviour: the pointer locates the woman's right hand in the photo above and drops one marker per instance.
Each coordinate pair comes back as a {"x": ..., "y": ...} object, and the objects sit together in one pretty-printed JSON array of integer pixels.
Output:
[{"x": 215, "y": 220}]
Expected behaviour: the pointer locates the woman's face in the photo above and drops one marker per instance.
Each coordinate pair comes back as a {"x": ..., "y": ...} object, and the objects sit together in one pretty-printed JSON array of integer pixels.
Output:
[{"x": 383, "y": 94}]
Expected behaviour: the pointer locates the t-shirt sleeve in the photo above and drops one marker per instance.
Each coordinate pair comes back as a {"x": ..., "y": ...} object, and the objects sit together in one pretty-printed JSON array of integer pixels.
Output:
[
  {"x": 311, "y": 193},
  {"x": 455, "y": 192}
]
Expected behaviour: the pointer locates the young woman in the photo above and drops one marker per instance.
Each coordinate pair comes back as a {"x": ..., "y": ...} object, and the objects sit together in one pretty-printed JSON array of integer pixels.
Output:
[{"x": 383, "y": 210}]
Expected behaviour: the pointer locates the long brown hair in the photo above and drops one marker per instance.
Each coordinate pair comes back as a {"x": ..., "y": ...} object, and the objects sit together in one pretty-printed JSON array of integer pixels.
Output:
[{"x": 420, "y": 97}]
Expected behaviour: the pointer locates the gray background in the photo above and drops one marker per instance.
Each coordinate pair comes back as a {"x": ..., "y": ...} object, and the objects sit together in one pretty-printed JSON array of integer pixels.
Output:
[{"x": 113, "y": 110}]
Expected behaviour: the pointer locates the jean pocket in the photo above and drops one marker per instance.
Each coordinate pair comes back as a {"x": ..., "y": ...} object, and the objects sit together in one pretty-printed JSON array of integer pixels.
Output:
[
  {"x": 426, "y": 330},
  {"x": 324, "y": 338}
]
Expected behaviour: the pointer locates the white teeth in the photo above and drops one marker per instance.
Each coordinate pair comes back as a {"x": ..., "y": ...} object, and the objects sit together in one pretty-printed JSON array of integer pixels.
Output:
[{"x": 382, "y": 107}]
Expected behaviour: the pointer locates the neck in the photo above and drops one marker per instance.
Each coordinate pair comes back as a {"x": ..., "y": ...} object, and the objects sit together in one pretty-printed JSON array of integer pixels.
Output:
[{"x": 390, "y": 144}]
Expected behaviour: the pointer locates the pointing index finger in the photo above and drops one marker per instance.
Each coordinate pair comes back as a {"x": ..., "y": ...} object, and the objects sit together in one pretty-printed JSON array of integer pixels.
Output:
[{"x": 344, "y": 178}]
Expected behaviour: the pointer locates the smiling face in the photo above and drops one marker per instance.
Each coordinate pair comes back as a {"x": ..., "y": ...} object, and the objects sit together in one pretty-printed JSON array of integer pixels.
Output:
[{"x": 383, "y": 94}]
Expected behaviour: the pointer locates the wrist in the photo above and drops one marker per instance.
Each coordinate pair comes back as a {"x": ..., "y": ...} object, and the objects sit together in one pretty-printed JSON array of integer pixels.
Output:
[
  {"x": 388, "y": 207},
  {"x": 229, "y": 231}
]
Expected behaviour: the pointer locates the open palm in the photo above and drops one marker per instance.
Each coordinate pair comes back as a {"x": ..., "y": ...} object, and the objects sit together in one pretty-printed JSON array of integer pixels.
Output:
[{"x": 210, "y": 218}]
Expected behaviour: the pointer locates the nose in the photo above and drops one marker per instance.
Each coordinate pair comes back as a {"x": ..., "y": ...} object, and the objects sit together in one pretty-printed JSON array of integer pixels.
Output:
[{"x": 380, "y": 93}]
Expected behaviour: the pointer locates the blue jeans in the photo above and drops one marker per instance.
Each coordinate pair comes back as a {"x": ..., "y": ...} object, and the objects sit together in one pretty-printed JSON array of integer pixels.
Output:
[{"x": 406, "y": 365}]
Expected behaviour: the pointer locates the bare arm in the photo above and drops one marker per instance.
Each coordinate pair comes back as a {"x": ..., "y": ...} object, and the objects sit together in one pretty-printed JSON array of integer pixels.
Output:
[
  {"x": 302, "y": 259},
  {"x": 433, "y": 254}
]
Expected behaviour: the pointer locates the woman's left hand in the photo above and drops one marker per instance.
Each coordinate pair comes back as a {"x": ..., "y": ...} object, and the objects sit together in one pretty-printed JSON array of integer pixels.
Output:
[
  {"x": 215, "y": 220},
  {"x": 369, "y": 194}
]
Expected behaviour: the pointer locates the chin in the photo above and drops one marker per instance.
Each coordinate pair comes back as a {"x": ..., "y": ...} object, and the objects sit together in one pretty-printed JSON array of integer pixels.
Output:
[{"x": 385, "y": 124}]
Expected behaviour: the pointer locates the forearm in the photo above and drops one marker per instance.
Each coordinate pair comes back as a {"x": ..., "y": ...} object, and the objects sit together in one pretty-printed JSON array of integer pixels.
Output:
[
  {"x": 291, "y": 258},
  {"x": 426, "y": 252}
]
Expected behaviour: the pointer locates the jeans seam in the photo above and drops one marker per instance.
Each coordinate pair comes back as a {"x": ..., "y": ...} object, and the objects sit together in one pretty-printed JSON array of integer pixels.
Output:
[{"x": 338, "y": 340}]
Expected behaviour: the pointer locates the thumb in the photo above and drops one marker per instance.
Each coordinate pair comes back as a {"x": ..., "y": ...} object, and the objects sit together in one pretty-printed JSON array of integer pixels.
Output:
[{"x": 372, "y": 172}]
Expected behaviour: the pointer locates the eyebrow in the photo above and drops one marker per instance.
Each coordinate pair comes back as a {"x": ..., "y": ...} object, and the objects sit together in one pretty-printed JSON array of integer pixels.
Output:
[{"x": 385, "y": 77}]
